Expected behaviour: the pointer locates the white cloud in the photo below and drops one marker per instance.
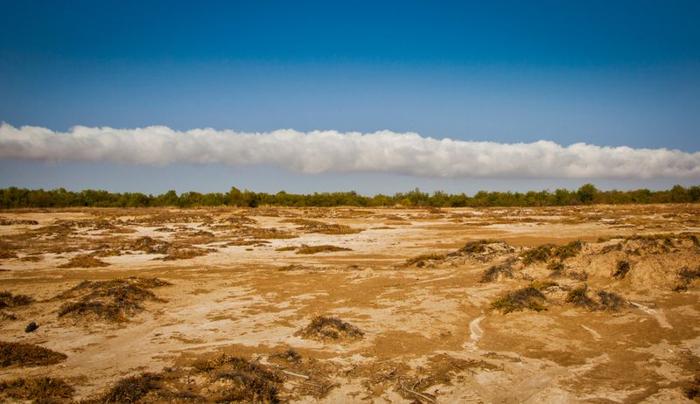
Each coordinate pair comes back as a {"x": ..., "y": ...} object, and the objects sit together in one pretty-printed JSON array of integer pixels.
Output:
[{"x": 331, "y": 151}]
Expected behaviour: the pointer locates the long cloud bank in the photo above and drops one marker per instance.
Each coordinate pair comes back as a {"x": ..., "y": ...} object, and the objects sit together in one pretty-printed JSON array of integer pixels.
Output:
[{"x": 331, "y": 151}]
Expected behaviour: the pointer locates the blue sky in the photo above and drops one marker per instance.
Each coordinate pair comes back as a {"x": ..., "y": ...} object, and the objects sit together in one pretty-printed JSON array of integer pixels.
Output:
[{"x": 624, "y": 73}]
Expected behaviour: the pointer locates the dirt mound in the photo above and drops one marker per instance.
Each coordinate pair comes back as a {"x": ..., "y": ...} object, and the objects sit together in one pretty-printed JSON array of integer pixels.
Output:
[
  {"x": 323, "y": 328},
  {"x": 39, "y": 390},
  {"x": 17, "y": 353},
  {"x": 7, "y": 299},
  {"x": 114, "y": 300}
]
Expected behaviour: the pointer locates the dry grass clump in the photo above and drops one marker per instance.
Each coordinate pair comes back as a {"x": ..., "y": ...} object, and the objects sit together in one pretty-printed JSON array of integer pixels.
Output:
[
  {"x": 182, "y": 253},
  {"x": 84, "y": 261},
  {"x": 314, "y": 226},
  {"x": 131, "y": 389},
  {"x": 546, "y": 251},
  {"x": 39, "y": 390},
  {"x": 114, "y": 300},
  {"x": 311, "y": 377},
  {"x": 621, "y": 269},
  {"x": 424, "y": 259},
  {"x": 495, "y": 272},
  {"x": 314, "y": 249},
  {"x": 606, "y": 301},
  {"x": 7, "y": 299},
  {"x": 538, "y": 254},
  {"x": 568, "y": 250},
  {"x": 9, "y": 222},
  {"x": 529, "y": 298},
  {"x": 324, "y": 328},
  {"x": 235, "y": 379},
  {"x": 686, "y": 276},
  {"x": 610, "y": 301},
  {"x": 267, "y": 233},
  {"x": 7, "y": 316},
  {"x": 579, "y": 297},
  {"x": 440, "y": 370},
  {"x": 150, "y": 245},
  {"x": 21, "y": 354}
]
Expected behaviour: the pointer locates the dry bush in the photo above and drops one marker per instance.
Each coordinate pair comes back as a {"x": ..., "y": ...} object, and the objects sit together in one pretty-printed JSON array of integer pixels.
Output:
[
  {"x": 691, "y": 390},
  {"x": 312, "y": 374},
  {"x": 526, "y": 298},
  {"x": 579, "y": 297},
  {"x": 686, "y": 276},
  {"x": 307, "y": 249},
  {"x": 610, "y": 301},
  {"x": 324, "y": 328},
  {"x": 17, "y": 353},
  {"x": 621, "y": 269},
  {"x": 440, "y": 370},
  {"x": 182, "y": 253},
  {"x": 150, "y": 245},
  {"x": 421, "y": 260},
  {"x": 7, "y": 316},
  {"x": 40, "y": 390},
  {"x": 131, "y": 389},
  {"x": 84, "y": 261},
  {"x": 10, "y": 222},
  {"x": 114, "y": 300},
  {"x": 537, "y": 254},
  {"x": 7, "y": 299},
  {"x": 504, "y": 270},
  {"x": 266, "y": 233},
  {"x": 314, "y": 226},
  {"x": 569, "y": 250}
]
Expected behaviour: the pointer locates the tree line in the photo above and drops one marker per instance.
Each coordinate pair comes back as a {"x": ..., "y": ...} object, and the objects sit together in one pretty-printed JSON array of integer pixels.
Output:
[{"x": 587, "y": 194}]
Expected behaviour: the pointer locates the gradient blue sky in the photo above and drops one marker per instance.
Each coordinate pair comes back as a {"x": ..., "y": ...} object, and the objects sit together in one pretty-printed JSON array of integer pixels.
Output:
[{"x": 601, "y": 72}]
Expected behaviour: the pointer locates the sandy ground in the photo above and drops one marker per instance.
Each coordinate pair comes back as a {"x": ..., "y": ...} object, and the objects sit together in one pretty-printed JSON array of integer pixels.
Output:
[{"x": 430, "y": 331}]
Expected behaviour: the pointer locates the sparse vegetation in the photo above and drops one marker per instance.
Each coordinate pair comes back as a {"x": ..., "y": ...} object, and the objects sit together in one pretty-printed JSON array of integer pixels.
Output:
[
  {"x": 7, "y": 299},
  {"x": 114, "y": 300},
  {"x": 330, "y": 328},
  {"x": 39, "y": 390},
  {"x": 538, "y": 254},
  {"x": 84, "y": 261},
  {"x": 314, "y": 226},
  {"x": 21, "y": 354},
  {"x": 686, "y": 276},
  {"x": 315, "y": 249},
  {"x": 610, "y": 301},
  {"x": 568, "y": 250},
  {"x": 504, "y": 270},
  {"x": 579, "y": 297},
  {"x": 421, "y": 260},
  {"x": 529, "y": 298}
]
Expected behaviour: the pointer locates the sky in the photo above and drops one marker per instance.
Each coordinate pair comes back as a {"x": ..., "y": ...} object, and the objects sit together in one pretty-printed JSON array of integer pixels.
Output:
[{"x": 327, "y": 96}]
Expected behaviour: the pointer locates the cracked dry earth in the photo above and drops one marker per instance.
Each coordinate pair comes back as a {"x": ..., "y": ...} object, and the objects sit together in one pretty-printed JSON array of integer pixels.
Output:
[{"x": 574, "y": 304}]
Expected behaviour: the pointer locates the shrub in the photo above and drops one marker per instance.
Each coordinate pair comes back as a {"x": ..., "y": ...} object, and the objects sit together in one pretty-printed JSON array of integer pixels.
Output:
[
  {"x": 579, "y": 297},
  {"x": 621, "y": 269},
  {"x": 330, "y": 328},
  {"x": 17, "y": 353},
  {"x": 526, "y": 298},
  {"x": 538, "y": 254}
]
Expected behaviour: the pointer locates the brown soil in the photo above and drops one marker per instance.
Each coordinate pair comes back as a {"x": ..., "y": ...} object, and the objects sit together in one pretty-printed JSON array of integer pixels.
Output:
[{"x": 586, "y": 303}]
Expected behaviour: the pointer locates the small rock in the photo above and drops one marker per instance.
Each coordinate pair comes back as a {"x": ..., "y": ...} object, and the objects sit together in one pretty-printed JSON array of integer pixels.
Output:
[{"x": 31, "y": 327}]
